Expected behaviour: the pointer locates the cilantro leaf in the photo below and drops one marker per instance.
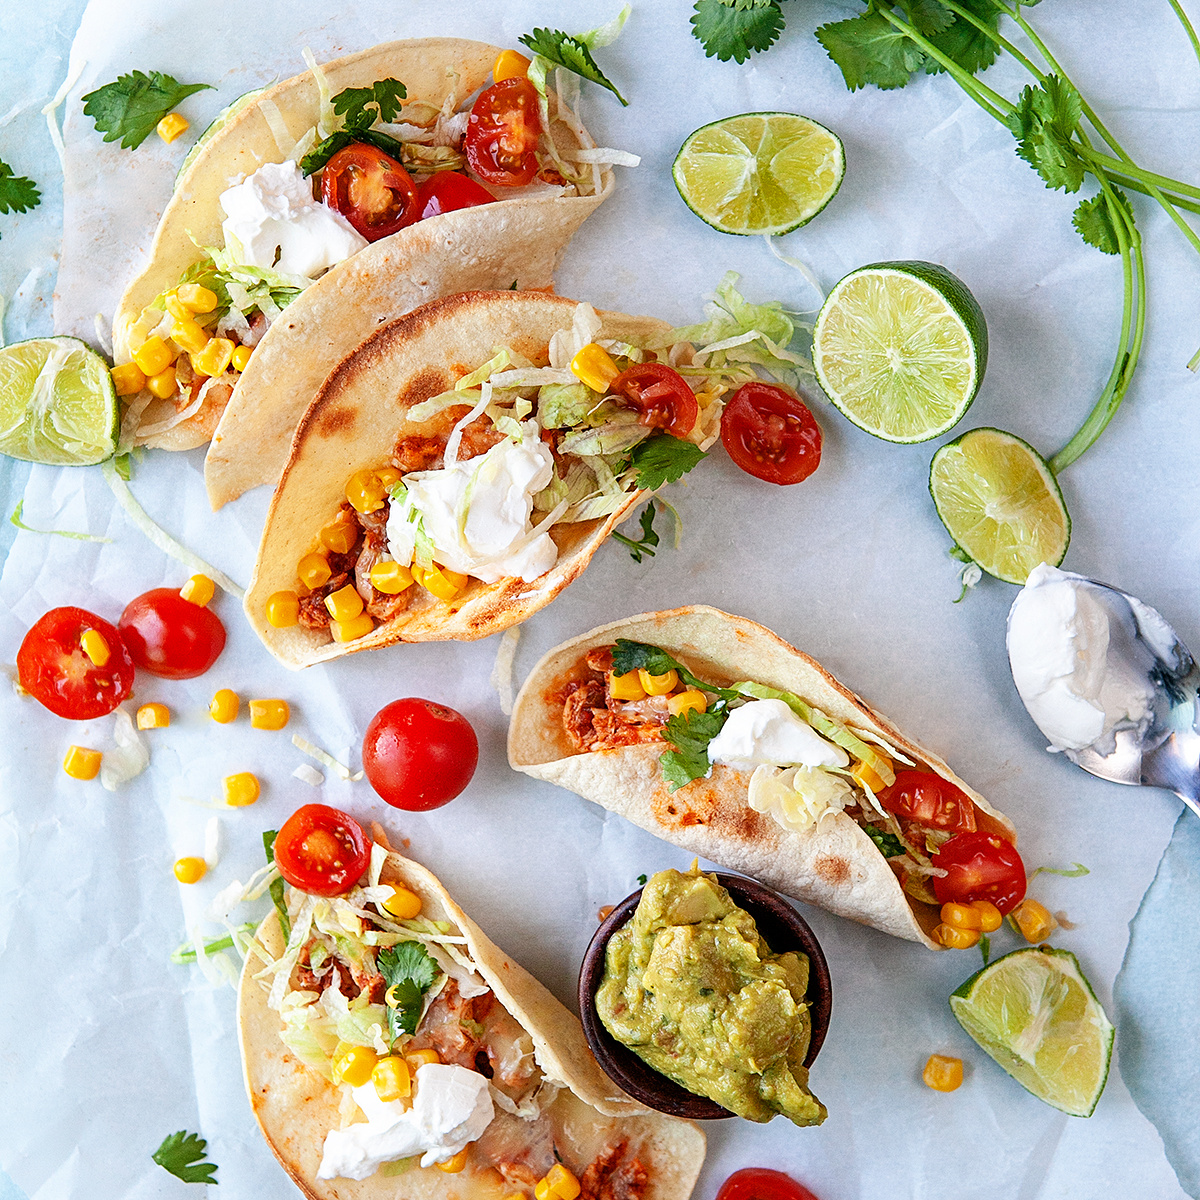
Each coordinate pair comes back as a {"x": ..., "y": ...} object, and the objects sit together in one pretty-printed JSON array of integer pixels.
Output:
[
  {"x": 323, "y": 151},
  {"x": 409, "y": 971},
  {"x": 690, "y": 734},
  {"x": 927, "y": 17},
  {"x": 1094, "y": 222},
  {"x": 649, "y": 539},
  {"x": 354, "y": 105},
  {"x": 133, "y": 105},
  {"x": 564, "y": 50},
  {"x": 630, "y": 656},
  {"x": 276, "y": 888},
  {"x": 663, "y": 459},
  {"x": 1043, "y": 123},
  {"x": 182, "y": 1154},
  {"x": 733, "y": 30},
  {"x": 888, "y": 843},
  {"x": 868, "y": 49},
  {"x": 641, "y": 880},
  {"x": 971, "y": 48},
  {"x": 17, "y": 194}
]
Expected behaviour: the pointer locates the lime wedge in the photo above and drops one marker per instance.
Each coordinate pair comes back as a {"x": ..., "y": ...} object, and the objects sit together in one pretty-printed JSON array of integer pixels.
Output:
[
  {"x": 1037, "y": 1016},
  {"x": 900, "y": 348},
  {"x": 997, "y": 497},
  {"x": 759, "y": 172},
  {"x": 57, "y": 403}
]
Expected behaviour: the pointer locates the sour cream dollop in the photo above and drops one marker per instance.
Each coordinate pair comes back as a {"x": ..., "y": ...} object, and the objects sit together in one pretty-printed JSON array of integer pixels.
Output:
[
  {"x": 452, "y": 1106},
  {"x": 272, "y": 214},
  {"x": 767, "y": 731}
]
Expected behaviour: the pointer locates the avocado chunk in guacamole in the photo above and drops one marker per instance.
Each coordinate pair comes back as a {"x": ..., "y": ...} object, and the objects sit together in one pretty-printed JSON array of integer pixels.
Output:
[{"x": 691, "y": 987}]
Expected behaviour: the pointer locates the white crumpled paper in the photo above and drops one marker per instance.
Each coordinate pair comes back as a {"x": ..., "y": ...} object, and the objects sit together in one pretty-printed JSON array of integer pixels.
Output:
[{"x": 107, "y": 1047}]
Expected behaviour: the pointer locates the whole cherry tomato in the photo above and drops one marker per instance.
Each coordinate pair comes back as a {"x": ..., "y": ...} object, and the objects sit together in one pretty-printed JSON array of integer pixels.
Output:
[
  {"x": 771, "y": 434},
  {"x": 661, "y": 395},
  {"x": 448, "y": 191},
  {"x": 761, "y": 1183},
  {"x": 419, "y": 755},
  {"x": 930, "y": 800},
  {"x": 980, "y": 866},
  {"x": 503, "y": 131},
  {"x": 55, "y": 669},
  {"x": 370, "y": 189},
  {"x": 170, "y": 636},
  {"x": 322, "y": 850}
]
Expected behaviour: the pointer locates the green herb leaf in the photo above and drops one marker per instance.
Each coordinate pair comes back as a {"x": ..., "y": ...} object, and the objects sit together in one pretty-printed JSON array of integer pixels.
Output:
[
  {"x": 564, "y": 50},
  {"x": 1043, "y": 122},
  {"x": 869, "y": 49},
  {"x": 971, "y": 48},
  {"x": 985, "y": 947},
  {"x": 133, "y": 105},
  {"x": 927, "y": 17},
  {"x": 649, "y": 539},
  {"x": 276, "y": 888},
  {"x": 690, "y": 735},
  {"x": 1093, "y": 220},
  {"x": 17, "y": 194},
  {"x": 182, "y": 1154},
  {"x": 663, "y": 459},
  {"x": 641, "y": 880},
  {"x": 15, "y": 519},
  {"x": 630, "y": 656},
  {"x": 323, "y": 151},
  {"x": 1075, "y": 871},
  {"x": 889, "y": 844},
  {"x": 409, "y": 971},
  {"x": 735, "y": 29},
  {"x": 361, "y": 107}
]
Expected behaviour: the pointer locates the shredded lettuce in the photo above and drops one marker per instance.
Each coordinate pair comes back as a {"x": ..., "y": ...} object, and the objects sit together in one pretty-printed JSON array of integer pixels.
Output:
[
  {"x": 566, "y": 405},
  {"x": 324, "y": 758},
  {"x": 15, "y": 519},
  {"x": 620, "y": 433}
]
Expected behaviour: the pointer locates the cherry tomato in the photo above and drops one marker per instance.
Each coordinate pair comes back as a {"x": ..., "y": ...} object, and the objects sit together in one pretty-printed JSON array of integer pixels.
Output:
[
  {"x": 170, "y": 636},
  {"x": 54, "y": 669},
  {"x": 761, "y": 1183},
  {"x": 771, "y": 434},
  {"x": 419, "y": 755},
  {"x": 929, "y": 800},
  {"x": 370, "y": 189},
  {"x": 503, "y": 132},
  {"x": 322, "y": 850},
  {"x": 448, "y": 191},
  {"x": 980, "y": 866},
  {"x": 661, "y": 395}
]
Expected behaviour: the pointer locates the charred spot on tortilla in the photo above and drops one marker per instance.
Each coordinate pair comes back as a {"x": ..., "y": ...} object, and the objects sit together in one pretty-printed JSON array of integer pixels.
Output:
[
  {"x": 335, "y": 420},
  {"x": 424, "y": 386},
  {"x": 832, "y": 870}
]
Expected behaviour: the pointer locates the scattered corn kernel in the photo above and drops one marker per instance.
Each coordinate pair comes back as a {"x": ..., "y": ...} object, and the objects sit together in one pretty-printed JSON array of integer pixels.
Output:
[
  {"x": 443, "y": 583},
  {"x": 283, "y": 609},
  {"x": 189, "y": 335},
  {"x": 403, "y": 903},
  {"x": 164, "y": 384},
  {"x": 223, "y": 707},
  {"x": 510, "y": 64},
  {"x": 1034, "y": 920},
  {"x": 152, "y": 356},
  {"x": 195, "y": 297},
  {"x": 594, "y": 366},
  {"x": 452, "y": 1166},
  {"x": 128, "y": 379},
  {"x": 541, "y": 1190},
  {"x": 942, "y": 1073},
  {"x": 627, "y": 686},
  {"x": 198, "y": 590},
  {"x": 269, "y": 714},
  {"x": 352, "y": 630},
  {"x": 153, "y": 716},
  {"x": 658, "y": 685},
  {"x": 962, "y": 916},
  {"x": 689, "y": 701},
  {"x": 82, "y": 763},
  {"x": 239, "y": 360},
  {"x": 392, "y": 1079},
  {"x": 955, "y": 939},
  {"x": 391, "y": 578},
  {"x": 345, "y": 604},
  {"x": 171, "y": 126},
  {"x": 417, "y": 1059},
  {"x": 353, "y": 1064},
  {"x": 338, "y": 536},
  {"x": 95, "y": 647},
  {"x": 241, "y": 789},
  {"x": 562, "y": 1183},
  {"x": 364, "y": 492},
  {"x": 215, "y": 358},
  {"x": 190, "y": 869},
  {"x": 865, "y": 775},
  {"x": 313, "y": 570},
  {"x": 989, "y": 915}
]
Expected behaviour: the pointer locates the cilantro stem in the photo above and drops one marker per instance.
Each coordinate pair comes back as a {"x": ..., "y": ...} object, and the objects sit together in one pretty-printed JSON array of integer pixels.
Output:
[
  {"x": 994, "y": 36},
  {"x": 1187, "y": 25}
]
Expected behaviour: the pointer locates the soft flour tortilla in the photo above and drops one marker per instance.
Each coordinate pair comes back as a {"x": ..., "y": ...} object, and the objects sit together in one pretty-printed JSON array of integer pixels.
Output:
[
  {"x": 512, "y": 241},
  {"x": 355, "y": 422},
  {"x": 834, "y": 865},
  {"x": 296, "y": 1107}
]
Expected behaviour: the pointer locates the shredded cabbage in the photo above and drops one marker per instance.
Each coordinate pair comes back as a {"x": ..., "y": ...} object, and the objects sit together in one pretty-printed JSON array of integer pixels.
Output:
[
  {"x": 328, "y": 120},
  {"x": 130, "y": 758},
  {"x": 798, "y": 797},
  {"x": 502, "y": 672},
  {"x": 325, "y": 758},
  {"x": 566, "y": 343},
  {"x": 617, "y": 435}
]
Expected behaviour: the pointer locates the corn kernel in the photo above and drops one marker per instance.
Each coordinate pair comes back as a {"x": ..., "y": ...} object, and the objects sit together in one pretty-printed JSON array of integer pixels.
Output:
[
  {"x": 352, "y": 630},
  {"x": 164, "y": 384},
  {"x": 1034, "y": 920},
  {"x": 417, "y": 1059},
  {"x": 188, "y": 335},
  {"x": 627, "y": 686},
  {"x": 269, "y": 714},
  {"x": 684, "y": 702},
  {"x": 866, "y": 776},
  {"x": 241, "y": 790},
  {"x": 943, "y": 1073},
  {"x": 962, "y": 916},
  {"x": 214, "y": 358},
  {"x": 392, "y": 1079},
  {"x": 313, "y": 570},
  {"x": 387, "y": 476},
  {"x": 223, "y": 707},
  {"x": 338, "y": 536},
  {"x": 541, "y": 1190},
  {"x": 955, "y": 939},
  {"x": 176, "y": 307},
  {"x": 190, "y": 869},
  {"x": 403, "y": 904},
  {"x": 391, "y": 578},
  {"x": 82, "y": 763},
  {"x": 345, "y": 604},
  {"x": 152, "y": 356},
  {"x": 594, "y": 366},
  {"x": 510, "y": 64},
  {"x": 562, "y": 1183},
  {"x": 239, "y": 360},
  {"x": 195, "y": 297},
  {"x": 171, "y": 126},
  {"x": 989, "y": 915},
  {"x": 441, "y": 582},
  {"x": 364, "y": 492},
  {"x": 95, "y": 647},
  {"x": 153, "y": 716},
  {"x": 658, "y": 685},
  {"x": 198, "y": 590},
  {"x": 452, "y": 1166},
  {"x": 283, "y": 609},
  {"x": 128, "y": 379},
  {"x": 353, "y": 1064}
]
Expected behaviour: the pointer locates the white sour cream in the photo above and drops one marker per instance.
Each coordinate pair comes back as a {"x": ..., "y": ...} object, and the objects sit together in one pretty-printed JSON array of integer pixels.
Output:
[
  {"x": 272, "y": 214},
  {"x": 451, "y": 1107},
  {"x": 767, "y": 731}
]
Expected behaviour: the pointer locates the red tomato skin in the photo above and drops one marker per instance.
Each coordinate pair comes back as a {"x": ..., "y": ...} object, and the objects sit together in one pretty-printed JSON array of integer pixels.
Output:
[
  {"x": 54, "y": 670},
  {"x": 448, "y": 191},
  {"x": 929, "y": 800},
  {"x": 418, "y": 754},
  {"x": 171, "y": 637},
  {"x": 980, "y": 866},
  {"x": 309, "y": 872},
  {"x": 337, "y": 178},
  {"x": 661, "y": 395},
  {"x": 771, "y": 434},
  {"x": 761, "y": 1183},
  {"x": 502, "y": 133}
]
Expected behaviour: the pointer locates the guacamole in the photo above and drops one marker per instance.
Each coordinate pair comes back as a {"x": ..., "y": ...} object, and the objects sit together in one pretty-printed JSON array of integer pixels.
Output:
[{"x": 694, "y": 991}]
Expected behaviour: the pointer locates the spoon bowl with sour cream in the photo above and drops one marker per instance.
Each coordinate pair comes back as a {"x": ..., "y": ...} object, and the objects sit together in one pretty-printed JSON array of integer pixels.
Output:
[{"x": 1108, "y": 681}]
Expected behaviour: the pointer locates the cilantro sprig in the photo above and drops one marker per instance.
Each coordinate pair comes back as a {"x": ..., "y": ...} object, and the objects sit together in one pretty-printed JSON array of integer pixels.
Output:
[
  {"x": 410, "y": 972},
  {"x": 662, "y": 459},
  {"x": 183, "y": 1154},
  {"x": 132, "y": 105},
  {"x": 649, "y": 539},
  {"x": 360, "y": 108},
  {"x": 736, "y": 28},
  {"x": 17, "y": 193},
  {"x": 572, "y": 52}
]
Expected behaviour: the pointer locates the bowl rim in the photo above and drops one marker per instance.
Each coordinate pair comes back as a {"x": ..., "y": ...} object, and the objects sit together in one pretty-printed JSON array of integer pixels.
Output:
[{"x": 641, "y": 1081}]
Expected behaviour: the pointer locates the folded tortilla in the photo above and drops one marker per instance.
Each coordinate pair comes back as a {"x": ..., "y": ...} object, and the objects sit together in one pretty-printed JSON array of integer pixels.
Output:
[
  {"x": 834, "y": 864},
  {"x": 354, "y": 424},
  {"x": 296, "y": 1107},
  {"x": 514, "y": 242}
]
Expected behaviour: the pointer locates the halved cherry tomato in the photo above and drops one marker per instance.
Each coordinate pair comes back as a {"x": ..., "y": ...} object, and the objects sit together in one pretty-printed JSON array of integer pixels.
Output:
[
  {"x": 761, "y": 1183},
  {"x": 171, "y": 637},
  {"x": 419, "y": 755},
  {"x": 980, "y": 866},
  {"x": 370, "y": 189},
  {"x": 54, "y": 668},
  {"x": 929, "y": 800},
  {"x": 448, "y": 191},
  {"x": 322, "y": 850},
  {"x": 660, "y": 395},
  {"x": 771, "y": 434},
  {"x": 502, "y": 133}
]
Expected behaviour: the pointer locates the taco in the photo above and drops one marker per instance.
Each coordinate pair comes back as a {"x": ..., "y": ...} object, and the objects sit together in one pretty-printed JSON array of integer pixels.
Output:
[
  {"x": 291, "y": 283},
  {"x": 454, "y": 473},
  {"x": 738, "y": 747},
  {"x": 458, "y": 1057}
]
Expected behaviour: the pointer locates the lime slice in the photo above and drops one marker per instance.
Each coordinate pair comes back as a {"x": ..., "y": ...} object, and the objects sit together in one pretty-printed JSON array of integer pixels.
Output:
[
  {"x": 900, "y": 348},
  {"x": 759, "y": 172},
  {"x": 997, "y": 497},
  {"x": 57, "y": 403},
  {"x": 1037, "y": 1016}
]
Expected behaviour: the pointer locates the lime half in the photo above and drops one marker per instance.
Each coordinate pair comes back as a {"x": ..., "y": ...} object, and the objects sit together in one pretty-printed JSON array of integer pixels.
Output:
[
  {"x": 996, "y": 496},
  {"x": 57, "y": 403},
  {"x": 759, "y": 172},
  {"x": 1037, "y": 1016},
  {"x": 900, "y": 348}
]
